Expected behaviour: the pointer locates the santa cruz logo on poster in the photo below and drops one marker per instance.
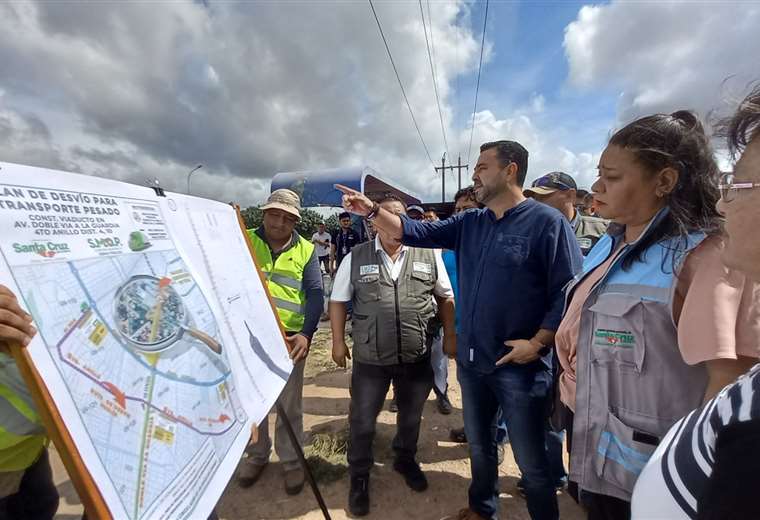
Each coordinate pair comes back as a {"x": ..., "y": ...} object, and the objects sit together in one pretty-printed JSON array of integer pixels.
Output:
[{"x": 44, "y": 249}]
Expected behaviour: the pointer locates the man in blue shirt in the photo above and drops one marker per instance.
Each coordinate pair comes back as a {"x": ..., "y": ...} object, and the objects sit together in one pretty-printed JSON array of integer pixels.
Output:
[{"x": 513, "y": 260}]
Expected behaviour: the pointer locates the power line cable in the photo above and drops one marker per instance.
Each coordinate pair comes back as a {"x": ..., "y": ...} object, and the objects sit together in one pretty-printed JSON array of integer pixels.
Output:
[
  {"x": 458, "y": 95},
  {"x": 406, "y": 99},
  {"x": 433, "y": 73},
  {"x": 477, "y": 85}
]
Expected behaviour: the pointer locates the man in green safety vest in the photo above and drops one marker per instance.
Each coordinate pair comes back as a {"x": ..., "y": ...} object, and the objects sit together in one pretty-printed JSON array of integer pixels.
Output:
[
  {"x": 291, "y": 268},
  {"x": 26, "y": 481}
]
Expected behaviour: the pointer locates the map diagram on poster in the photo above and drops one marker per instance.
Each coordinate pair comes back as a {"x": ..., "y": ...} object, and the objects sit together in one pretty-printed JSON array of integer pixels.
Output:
[{"x": 134, "y": 344}]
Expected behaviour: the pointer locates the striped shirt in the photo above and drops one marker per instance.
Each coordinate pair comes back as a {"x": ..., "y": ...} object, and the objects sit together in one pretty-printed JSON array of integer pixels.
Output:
[{"x": 676, "y": 477}]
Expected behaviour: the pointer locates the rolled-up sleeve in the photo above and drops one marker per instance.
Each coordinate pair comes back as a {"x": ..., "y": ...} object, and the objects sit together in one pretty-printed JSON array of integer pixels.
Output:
[
  {"x": 441, "y": 234},
  {"x": 563, "y": 259}
]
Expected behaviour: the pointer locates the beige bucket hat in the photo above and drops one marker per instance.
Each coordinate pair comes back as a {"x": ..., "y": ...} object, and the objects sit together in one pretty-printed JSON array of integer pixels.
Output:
[{"x": 284, "y": 199}]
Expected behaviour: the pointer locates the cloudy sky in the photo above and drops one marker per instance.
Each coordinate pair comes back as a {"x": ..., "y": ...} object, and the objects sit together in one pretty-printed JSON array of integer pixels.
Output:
[{"x": 137, "y": 90}]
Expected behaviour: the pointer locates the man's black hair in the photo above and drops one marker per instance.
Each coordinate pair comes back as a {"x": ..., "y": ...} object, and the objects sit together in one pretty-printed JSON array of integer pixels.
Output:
[
  {"x": 467, "y": 191},
  {"x": 510, "y": 152},
  {"x": 391, "y": 197},
  {"x": 343, "y": 215}
]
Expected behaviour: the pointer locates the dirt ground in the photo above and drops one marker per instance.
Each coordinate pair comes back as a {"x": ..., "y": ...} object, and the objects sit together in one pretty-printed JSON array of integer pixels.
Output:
[{"x": 326, "y": 401}]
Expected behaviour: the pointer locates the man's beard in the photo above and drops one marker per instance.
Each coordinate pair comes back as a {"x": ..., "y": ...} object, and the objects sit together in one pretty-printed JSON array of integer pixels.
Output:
[{"x": 484, "y": 194}]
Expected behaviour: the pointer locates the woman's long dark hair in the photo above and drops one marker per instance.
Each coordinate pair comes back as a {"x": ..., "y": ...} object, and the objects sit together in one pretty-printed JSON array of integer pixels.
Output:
[{"x": 675, "y": 141}]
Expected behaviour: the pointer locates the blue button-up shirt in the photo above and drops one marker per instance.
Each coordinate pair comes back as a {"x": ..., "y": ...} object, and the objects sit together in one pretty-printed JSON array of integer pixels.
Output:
[{"x": 511, "y": 274}]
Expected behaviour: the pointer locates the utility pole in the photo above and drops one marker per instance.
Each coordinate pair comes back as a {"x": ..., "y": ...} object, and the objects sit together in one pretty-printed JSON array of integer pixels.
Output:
[
  {"x": 451, "y": 167},
  {"x": 443, "y": 176}
]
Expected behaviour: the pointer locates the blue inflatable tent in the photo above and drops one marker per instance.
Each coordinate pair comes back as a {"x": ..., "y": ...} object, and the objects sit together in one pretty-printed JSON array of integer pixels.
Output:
[{"x": 316, "y": 187}]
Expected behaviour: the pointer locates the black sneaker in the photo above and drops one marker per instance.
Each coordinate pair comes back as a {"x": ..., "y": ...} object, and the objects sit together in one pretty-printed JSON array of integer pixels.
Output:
[
  {"x": 412, "y": 473},
  {"x": 458, "y": 435},
  {"x": 358, "y": 496},
  {"x": 444, "y": 405}
]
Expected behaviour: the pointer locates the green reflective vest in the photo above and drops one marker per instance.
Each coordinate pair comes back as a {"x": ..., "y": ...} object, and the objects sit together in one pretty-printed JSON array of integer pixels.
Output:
[
  {"x": 22, "y": 436},
  {"x": 284, "y": 278}
]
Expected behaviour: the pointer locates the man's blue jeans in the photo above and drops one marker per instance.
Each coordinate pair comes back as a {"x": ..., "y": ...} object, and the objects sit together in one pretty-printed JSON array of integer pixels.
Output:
[{"x": 523, "y": 392}]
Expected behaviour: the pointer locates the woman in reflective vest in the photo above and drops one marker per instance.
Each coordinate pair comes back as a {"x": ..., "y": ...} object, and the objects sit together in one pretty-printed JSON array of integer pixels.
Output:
[
  {"x": 626, "y": 375},
  {"x": 26, "y": 484}
]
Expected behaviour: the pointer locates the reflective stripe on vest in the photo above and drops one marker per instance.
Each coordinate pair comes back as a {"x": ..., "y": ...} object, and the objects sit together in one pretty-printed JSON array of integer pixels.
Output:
[
  {"x": 281, "y": 279},
  {"x": 22, "y": 436},
  {"x": 15, "y": 417},
  {"x": 284, "y": 278},
  {"x": 632, "y": 383}
]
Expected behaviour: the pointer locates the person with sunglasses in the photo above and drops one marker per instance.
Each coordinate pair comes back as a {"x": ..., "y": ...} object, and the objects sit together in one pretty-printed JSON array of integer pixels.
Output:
[
  {"x": 655, "y": 324},
  {"x": 707, "y": 465}
]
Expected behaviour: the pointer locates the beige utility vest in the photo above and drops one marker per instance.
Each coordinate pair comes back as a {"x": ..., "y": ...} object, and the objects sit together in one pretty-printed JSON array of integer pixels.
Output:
[{"x": 391, "y": 321}]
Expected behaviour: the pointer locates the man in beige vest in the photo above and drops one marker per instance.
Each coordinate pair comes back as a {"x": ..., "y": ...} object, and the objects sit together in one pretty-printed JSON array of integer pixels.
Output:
[{"x": 391, "y": 287}]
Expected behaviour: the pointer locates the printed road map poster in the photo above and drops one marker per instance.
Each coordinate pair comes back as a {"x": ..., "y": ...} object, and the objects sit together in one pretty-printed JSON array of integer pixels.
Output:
[{"x": 155, "y": 338}]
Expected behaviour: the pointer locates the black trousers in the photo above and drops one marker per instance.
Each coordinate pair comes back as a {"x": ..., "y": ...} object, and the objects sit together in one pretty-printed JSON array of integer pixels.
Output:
[
  {"x": 369, "y": 385},
  {"x": 36, "y": 498},
  {"x": 605, "y": 507},
  {"x": 324, "y": 261}
]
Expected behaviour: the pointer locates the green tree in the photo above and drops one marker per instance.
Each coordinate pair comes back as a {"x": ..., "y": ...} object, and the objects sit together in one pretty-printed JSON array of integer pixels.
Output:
[
  {"x": 252, "y": 216},
  {"x": 307, "y": 226},
  {"x": 332, "y": 224}
]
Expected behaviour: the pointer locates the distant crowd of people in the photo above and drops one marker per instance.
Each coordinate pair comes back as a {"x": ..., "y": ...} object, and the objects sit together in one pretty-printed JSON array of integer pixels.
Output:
[{"x": 622, "y": 323}]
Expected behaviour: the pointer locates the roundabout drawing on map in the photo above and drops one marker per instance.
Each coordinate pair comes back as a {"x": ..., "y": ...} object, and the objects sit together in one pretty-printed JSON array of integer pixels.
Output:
[{"x": 139, "y": 349}]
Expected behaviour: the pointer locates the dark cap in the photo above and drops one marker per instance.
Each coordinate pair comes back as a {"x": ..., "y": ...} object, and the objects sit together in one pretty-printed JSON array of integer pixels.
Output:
[{"x": 551, "y": 182}]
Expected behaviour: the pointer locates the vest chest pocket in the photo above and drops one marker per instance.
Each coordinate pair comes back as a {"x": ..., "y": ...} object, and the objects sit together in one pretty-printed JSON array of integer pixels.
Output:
[
  {"x": 617, "y": 338},
  {"x": 420, "y": 284},
  {"x": 366, "y": 288}
]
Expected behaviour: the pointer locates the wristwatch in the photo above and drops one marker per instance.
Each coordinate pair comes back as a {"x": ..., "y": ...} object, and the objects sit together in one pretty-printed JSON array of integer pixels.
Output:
[{"x": 373, "y": 212}]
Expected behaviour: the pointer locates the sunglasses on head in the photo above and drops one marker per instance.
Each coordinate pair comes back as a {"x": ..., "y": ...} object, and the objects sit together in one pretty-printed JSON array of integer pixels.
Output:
[{"x": 551, "y": 181}]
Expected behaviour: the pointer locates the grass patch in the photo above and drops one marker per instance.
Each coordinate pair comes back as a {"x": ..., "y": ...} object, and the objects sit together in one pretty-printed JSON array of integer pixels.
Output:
[
  {"x": 327, "y": 456},
  {"x": 320, "y": 354}
]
